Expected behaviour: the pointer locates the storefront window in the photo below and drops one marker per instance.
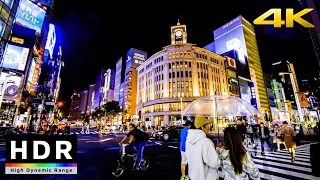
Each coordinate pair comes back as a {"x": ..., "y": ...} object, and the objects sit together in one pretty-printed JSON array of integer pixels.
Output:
[
  {"x": 7, "y": 33},
  {"x": 10, "y": 21},
  {"x": 9, "y": 3},
  {"x": 2, "y": 27},
  {"x": 5, "y": 13}
]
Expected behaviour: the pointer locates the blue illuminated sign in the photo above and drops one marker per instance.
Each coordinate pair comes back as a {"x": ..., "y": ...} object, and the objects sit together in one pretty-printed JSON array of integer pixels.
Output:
[
  {"x": 253, "y": 94},
  {"x": 15, "y": 57},
  {"x": 231, "y": 37},
  {"x": 51, "y": 39},
  {"x": 30, "y": 15},
  {"x": 134, "y": 58},
  {"x": 9, "y": 3}
]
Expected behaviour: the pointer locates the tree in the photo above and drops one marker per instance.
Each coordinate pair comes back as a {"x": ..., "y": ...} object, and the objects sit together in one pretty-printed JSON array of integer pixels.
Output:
[{"x": 112, "y": 109}]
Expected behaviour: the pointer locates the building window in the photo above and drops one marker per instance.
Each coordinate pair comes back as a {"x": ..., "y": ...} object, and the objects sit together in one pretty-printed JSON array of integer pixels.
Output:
[
  {"x": 190, "y": 64},
  {"x": 182, "y": 74},
  {"x": 169, "y": 75}
]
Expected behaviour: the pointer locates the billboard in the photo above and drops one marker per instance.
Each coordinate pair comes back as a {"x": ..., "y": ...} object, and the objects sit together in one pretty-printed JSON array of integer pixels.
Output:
[
  {"x": 33, "y": 77},
  {"x": 303, "y": 99},
  {"x": 11, "y": 85},
  {"x": 51, "y": 39},
  {"x": 30, "y": 15},
  {"x": 242, "y": 68},
  {"x": 232, "y": 62},
  {"x": 15, "y": 57},
  {"x": 231, "y": 37},
  {"x": 134, "y": 58}
]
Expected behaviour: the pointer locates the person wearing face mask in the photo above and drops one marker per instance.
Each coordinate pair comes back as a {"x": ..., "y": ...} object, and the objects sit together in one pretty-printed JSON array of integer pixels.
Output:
[
  {"x": 264, "y": 135},
  {"x": 203, "y": 161}
]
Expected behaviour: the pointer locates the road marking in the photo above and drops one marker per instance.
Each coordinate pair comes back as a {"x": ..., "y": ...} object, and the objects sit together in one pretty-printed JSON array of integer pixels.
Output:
[
  {"x": 83, "y": 139},
  {"x": 113, "y": 148},
  {"x": 2, "y": 159},
  {"x": 81, "y": 151},
  {"x": 158, "y": 143},
  {"x": 102, "y": 140},
  {"x": 173, "y": 147}
]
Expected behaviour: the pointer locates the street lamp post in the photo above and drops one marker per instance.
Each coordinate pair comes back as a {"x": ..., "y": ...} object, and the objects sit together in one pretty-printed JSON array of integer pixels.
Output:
[
  {"x": 181, "y": 109},
  {"x": 295, "y": 93}
]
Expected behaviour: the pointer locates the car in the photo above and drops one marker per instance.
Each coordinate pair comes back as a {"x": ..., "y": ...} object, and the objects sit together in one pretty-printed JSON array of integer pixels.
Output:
[{"x": 173, "y": 132}]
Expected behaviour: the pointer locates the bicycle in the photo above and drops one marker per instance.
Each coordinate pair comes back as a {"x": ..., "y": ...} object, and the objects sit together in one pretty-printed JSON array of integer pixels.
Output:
[
  {"x": 247, "y": 141},
  {"x": 126, "y": 159}
]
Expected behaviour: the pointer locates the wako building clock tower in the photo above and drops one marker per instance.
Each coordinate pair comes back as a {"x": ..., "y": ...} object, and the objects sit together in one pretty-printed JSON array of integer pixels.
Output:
[{"x": 178, "y": 34}]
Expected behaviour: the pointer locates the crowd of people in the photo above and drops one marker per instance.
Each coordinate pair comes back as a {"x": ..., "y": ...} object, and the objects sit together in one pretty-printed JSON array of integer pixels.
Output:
[{"x": 204, "y": 159}]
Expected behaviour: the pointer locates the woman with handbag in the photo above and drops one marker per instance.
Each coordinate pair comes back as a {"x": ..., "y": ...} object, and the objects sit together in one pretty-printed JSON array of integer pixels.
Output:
[
  {"x": 277, "y": 137},
  {"x": 288, "y": 134}
]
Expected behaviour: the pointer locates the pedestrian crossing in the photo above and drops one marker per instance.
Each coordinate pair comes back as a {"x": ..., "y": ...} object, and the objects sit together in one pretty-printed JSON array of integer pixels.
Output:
[
  {"x": 278, "y": 166},
  {"x": 79, "y": 132}
]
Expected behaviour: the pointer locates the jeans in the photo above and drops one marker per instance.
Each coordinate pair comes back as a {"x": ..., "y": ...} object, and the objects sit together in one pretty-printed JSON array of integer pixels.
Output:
[
  {"x": 263, "y": 140},
  {"x": 138, "y": 147}
]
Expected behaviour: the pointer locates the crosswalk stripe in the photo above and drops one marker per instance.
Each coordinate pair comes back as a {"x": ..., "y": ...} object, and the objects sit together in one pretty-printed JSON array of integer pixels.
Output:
[
  {"x": 281, "y": 164},
  {"x": 286, "y": 161},
  {"x": 286, "y": 157}
]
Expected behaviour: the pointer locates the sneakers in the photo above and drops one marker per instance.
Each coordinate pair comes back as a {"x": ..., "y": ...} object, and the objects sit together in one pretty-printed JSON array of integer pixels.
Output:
[
  {"x": 262, "y": 153},
  {"x": 184, "y": 178}
]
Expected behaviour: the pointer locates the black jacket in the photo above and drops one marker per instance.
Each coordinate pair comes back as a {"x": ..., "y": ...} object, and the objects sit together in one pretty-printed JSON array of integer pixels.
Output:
[{"x": 266, "y": 132}]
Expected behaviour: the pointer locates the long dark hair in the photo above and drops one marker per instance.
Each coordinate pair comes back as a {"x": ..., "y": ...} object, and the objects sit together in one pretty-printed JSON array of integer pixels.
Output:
[{"x": 237, "y": 151}]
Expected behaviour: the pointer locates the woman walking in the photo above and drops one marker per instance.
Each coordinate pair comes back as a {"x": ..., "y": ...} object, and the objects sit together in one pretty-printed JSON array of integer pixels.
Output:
[
  {"x": 277, "y": 137},
  {"x": 288, "y": 133},
  {"x": 236, "y": 162}
]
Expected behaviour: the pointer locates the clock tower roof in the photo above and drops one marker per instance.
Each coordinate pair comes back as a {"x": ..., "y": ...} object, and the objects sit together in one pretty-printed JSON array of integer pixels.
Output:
[{"x": 178, "y": 34}]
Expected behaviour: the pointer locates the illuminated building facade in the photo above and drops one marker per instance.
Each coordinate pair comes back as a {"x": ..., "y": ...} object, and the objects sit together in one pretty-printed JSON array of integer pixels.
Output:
[
  {"x": 98, "y": 93},
  {"x": 239, "y": 35},
  {"x": 118, "y": 80},
  {"x": 74, "y": 112},
  {"x": 83, "y": 101},
  {"x": 134, "y": 58},
  {"x": 108, "y": 89},
  {"x": 178, "y": 74},
  {"x": 91, "y": 90}
]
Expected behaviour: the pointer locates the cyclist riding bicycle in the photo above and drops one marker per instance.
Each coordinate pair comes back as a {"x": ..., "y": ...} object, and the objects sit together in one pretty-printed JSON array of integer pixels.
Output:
[{"x": 138, "y": 140}]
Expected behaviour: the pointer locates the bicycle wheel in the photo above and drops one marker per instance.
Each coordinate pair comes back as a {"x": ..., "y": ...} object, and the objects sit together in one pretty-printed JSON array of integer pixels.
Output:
[
  {"x": 119, "y": 171},
  {"x": 144, "y": 163}
]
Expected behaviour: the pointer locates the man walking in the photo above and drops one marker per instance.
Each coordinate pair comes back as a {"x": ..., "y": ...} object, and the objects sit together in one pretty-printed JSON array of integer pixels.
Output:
[
  {"x": 264, "y": 135},
  {"x": 203, "y": 161},
  {"x": 183, "y": 138}
]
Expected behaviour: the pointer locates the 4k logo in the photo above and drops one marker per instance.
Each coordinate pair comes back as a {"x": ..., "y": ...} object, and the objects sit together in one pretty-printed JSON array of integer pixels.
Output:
[{"x": 278, "y": 22}]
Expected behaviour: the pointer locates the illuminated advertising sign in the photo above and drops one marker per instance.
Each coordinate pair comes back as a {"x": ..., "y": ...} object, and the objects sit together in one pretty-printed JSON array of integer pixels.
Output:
[
  {"x": 253, "y": 94},
  {"x": 134, "y": 58},
  {"x": 11, "y": 85},
  {"x": 15, "y": 57},
  {"x": 30, "y": 15},
  {"x": 303, "y": 99},
  {"x": 242, "y": 69},
  {"x": 17, "y": 40},
  {"x": 33, "y": 77},
  {"x": 231, "y": 37},
  {"x": 232, "y": 62},
  {"x": 51, "y": 40}
]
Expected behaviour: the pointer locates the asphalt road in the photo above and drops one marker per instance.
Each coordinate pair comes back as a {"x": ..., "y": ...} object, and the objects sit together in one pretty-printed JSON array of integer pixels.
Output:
[{"x": 97, "y": 156}]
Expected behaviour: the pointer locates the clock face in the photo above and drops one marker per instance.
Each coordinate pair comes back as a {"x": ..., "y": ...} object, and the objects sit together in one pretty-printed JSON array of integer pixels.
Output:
[{"x": 179, "y": 33}]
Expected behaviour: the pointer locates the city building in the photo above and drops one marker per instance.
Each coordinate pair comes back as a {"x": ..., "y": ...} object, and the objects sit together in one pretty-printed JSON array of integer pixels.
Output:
[
  {"x": 90, "y": 100},
  {"x": 118, "y": 79},
  {"x": 174, "y": 77},
  {"x": 311, "y": 87},
  {"x": 98, "y": 93},
  {"x": 109, "y": 83},
  {"x": 239, "y": 35},
  {"x": 7, "y": 16},
  {"x": 134, "y": 58},
  {"x": 74, "y": 112},
  {"x": 121, "y": 96},
  {"x": 283, "y": 72},
  {"x": 313, "y": 17},
  {"x": 83, "y": 101}
]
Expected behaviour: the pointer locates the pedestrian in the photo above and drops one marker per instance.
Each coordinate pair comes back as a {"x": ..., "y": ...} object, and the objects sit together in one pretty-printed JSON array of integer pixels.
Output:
[
  {"x": 82, "y": 130},
  {"x": 203, "y": 161},
  {"x": 236, "y": 162},
  {"x": 87, "y": 128},
  {"x": 183, "y": 138},
  {"x": 264, "y": 135},
  {"x": 277, "y": 137},
  {"x": 288, "y": 133}
]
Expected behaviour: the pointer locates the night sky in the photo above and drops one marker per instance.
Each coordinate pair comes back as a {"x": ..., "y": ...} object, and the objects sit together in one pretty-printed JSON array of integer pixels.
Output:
[{"x": 94, "y": 36}]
